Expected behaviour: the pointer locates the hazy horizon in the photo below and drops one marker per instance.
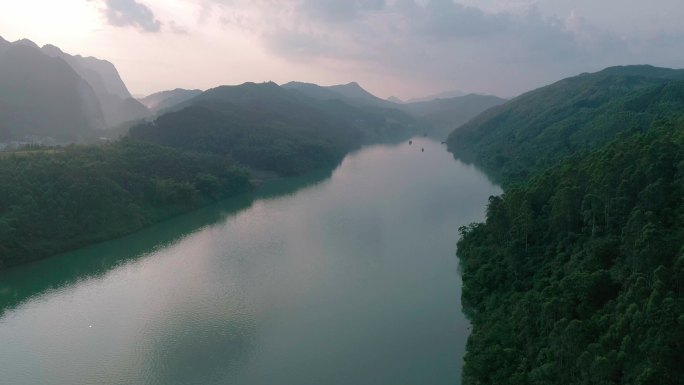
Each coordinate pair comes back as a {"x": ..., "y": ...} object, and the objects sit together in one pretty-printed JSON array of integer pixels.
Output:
[{"x": 402, "y": 48}]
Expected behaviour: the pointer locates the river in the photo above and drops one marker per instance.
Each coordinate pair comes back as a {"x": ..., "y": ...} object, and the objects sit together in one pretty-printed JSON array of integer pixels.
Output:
[{"x": 345, "y": 277}]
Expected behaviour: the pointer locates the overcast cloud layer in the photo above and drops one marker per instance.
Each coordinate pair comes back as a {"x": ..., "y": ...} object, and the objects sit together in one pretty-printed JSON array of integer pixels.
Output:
[
  {"x": 122, "y": 13},
  {"x": 404, "y": 47}
]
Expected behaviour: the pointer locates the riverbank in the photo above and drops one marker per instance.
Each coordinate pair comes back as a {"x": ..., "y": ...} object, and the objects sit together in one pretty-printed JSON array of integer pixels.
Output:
[
  {"x": 308, "y": 280},
  {"x": 62, "y": 199}
]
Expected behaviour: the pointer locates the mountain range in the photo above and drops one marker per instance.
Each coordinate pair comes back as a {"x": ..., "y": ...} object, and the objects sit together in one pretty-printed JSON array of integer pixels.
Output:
[
  {"x": 441, "y": 95},
  {"x": 575, "y": 277},
  {"x": 164, "y": 100},
  {"x": 580, "y": 113},
  {"x": 273, "y": 128},
  {"x": 351, "y": 93},
  {"x": 438, "y": 116},
  {"x": 42, "y": 98},
  {"x": 444, "y": 115},
  {"x": 118, "y": 106},
  {"x": 49, "y": 96}
]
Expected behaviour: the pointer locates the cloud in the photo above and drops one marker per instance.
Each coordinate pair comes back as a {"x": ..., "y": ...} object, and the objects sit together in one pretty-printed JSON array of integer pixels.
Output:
[
  {"x": 129, "y": 13},
  {"x": 177, "y": 29},
  {"x": 442, "y": 40},
  {"x": 440, "y": 44},
  {"x": 298, "y": 44},
  {"x": 339, "y": 11},
  {"x": 444, "y": 19}
]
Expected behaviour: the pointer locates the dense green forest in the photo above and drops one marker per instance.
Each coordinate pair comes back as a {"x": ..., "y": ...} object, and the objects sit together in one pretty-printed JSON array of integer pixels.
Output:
[
  {"x": 61, "y": 198},
  {"x": 57, "y": 199},
  {"x": 537, "y": 129},
  {"x": 577, "y": 275},
  {"x": 267, "y": 127}
]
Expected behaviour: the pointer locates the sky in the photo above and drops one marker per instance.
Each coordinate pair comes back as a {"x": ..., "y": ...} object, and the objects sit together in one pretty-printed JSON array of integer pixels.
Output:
[{"x": 403, "y": 48}]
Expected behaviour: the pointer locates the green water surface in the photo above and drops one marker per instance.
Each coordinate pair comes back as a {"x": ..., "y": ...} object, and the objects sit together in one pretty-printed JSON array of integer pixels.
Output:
[{"x": 342, "y": 277}]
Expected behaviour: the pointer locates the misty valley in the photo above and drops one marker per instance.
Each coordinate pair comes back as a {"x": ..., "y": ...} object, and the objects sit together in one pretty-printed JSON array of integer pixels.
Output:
[{"x": 295, "y": 233}]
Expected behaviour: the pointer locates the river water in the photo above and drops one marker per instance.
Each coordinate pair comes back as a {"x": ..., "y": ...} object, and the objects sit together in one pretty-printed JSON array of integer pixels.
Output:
[{"x": 345, "y": 277}]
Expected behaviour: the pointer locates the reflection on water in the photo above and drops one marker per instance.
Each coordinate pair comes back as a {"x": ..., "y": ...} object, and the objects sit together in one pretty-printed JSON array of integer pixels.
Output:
[
  {"x": 22, "y": 283},
  {"x": 349, "y": 280}
]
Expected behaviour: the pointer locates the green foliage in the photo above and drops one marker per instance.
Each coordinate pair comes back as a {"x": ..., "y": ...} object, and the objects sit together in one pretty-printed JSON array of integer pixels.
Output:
[
  {"x": 269, "y": 128},
  {"x": 57, "y": 199},
  {"x": 536, "y": 130},
  {"x": 577, "y": 277}
]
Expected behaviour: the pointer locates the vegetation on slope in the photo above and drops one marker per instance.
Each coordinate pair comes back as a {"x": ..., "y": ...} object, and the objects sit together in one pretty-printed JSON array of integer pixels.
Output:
[
  {"x": 541, "y": 127},
  {"x": 577, "y": 275},
  {"x": 437, "y": 116},
  {"x": 57, "y": 199},
  {"x": 64, "y": 198},
  {"x": 270, "y": 128}
]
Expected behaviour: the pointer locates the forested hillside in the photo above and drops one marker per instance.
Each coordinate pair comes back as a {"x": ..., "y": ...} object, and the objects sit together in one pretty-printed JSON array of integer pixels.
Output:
[
  {"x": 270, "y": 128},
  {"x": 437, "y": 116},
  {"x": 577, "y": 275},
  {"x": 351, "y": 93},
  {"x": 64, "y": 198},
  {"x": 541, "y": 127}
]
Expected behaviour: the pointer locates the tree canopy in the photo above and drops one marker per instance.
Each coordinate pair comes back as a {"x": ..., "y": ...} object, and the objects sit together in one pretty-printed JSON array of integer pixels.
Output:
[
  {"x": 64, "y": 198},
  {"x": 577, "y": 275}
]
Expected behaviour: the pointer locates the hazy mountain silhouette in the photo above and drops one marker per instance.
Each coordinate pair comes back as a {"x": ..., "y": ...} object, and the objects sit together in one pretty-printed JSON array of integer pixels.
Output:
[
  {"x": 160, "y": 101},
  {"x": 441, "y": 95},
  {"x": 42, "y": 98},
  {"x": 272, "y": 128},
  {"x": 118, "y": 106},
  {"x": 359, "y": 96},
  {"x": 351, "y": 93},
  {"x": 440, "y": 116},
  {"x": 443, "y": 115}
]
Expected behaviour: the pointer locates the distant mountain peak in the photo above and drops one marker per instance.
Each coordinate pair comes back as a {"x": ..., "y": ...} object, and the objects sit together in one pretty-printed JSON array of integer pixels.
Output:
[
  {"x": 268, "y": 84},
  {"x": 56, "y": 104},
  {"x": 27, "y": 43},
  {"x": 395, "y": 99},
  {"x": 441, "y": 95},
  {"x": 164, "y": 100},
  {"x": 353, "y": 90},
  {"x": 645, "y": 70},
  {"x": 351, "y": 86},
  {"x": 298, "y": 84},
  {"x": 52, "y": 50},
  {"x": 351, "y": 93}
]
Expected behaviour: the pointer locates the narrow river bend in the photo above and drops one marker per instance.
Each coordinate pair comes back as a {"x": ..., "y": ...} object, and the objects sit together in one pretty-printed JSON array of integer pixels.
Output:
[{"x": 350, "y": 279}]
